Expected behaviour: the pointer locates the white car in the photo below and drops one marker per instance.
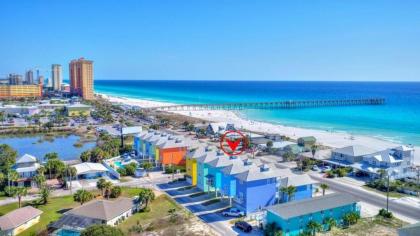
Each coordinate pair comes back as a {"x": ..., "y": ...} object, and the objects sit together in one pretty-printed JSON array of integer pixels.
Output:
[
  {"x": 325, "y": 169},
  {"x": 233, "y": 212},
  {"x": 315, "y": 168}
]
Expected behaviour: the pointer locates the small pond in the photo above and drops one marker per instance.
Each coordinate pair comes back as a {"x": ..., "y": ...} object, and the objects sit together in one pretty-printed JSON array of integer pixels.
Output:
[{"x": 39, "y": 145}]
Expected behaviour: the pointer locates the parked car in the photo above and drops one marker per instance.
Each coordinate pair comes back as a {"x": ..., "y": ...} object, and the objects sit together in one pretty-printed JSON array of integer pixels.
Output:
[
  {"x": 315, "y": 168},
  {"x": 235, "y": 212},
  {"x": 244, "y": 226},
  {"x": 325, "y": 169}
]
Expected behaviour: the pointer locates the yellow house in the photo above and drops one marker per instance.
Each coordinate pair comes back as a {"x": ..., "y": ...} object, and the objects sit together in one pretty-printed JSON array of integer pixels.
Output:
[
  {"x": 191, "y": 163},
  {"x": 17, "y": 221},
  {"x": 78, "y": 110}
]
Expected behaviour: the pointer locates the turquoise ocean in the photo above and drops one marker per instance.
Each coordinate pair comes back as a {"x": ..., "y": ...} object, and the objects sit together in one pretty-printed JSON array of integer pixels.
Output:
[{"x": 397, "y": 120}]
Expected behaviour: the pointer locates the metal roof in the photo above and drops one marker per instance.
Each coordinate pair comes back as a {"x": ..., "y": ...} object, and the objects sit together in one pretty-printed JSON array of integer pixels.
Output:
[{"x": 312, "y": 205}]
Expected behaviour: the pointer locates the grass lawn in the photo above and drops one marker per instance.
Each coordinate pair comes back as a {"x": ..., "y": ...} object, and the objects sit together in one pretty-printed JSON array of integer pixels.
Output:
[
  {"x": 56, "y": 206},
  {"x": 158, "y": 209},
  {"x": 391, "y": 194},
  {"x": 51, "y": 212},
  {"x": 369, "y": 226}
]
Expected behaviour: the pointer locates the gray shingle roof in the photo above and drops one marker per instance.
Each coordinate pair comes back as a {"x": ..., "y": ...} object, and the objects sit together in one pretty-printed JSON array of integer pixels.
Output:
[
  {"x": 312, "y": 205},
  {"x": 103, "y": 209},
  {"x": 18, "y": 217}
]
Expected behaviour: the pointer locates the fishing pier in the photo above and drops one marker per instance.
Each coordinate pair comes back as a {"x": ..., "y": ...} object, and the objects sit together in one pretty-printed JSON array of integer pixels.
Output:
[{"x": 290, "y": 104}]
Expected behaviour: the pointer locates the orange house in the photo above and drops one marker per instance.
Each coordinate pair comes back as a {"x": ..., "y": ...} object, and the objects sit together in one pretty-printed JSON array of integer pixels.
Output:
[{"x": 173, "y": 152}]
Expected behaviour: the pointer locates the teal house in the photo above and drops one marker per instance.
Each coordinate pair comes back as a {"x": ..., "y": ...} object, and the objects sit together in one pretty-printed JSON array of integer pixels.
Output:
[{"x": 293, "y": 217}]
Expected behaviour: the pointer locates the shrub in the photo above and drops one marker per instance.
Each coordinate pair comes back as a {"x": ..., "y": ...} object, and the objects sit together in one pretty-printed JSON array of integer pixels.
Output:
[
  {"x": 384, "y": 213},
  {"x": 116, "y": 191},
  {"x": 122, "y": 171}
]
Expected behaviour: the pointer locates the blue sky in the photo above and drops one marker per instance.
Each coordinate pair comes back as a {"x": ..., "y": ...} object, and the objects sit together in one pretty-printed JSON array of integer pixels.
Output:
[{"x": 216, "y": 40}]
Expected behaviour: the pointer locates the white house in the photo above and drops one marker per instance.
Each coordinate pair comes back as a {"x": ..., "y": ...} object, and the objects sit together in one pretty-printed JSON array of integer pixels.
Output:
[
  {"x": 26, "y": 166},
  {"x": 397, "y": 162},
  {"x": 19, "y": 220},
  {"x": 96, "y": 212}
]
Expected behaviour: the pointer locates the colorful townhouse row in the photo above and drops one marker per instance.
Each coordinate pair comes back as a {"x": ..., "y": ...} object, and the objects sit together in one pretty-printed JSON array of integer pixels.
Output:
[
  {"x": 243, "y": 180},
  {"x": 162, "y": 148}
]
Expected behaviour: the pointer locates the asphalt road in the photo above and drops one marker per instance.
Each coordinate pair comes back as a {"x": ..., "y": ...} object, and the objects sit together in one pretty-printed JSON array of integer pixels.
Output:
[{"x": 372, "y": 198}]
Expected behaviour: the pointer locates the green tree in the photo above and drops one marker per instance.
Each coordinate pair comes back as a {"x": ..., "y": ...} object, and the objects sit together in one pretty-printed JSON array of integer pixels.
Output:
[
  {"x": 45, "y": 194},
  {"x": 324, "y": 187},
  {"x": 147, "y": 166},
  {"x": 272, "y": 230},
  {"x": 116, "y": 191},
  {"x": 130, "y": 169},
  {"x": 85, "y": 156},
  {"x": 330, "y": 222},
  {"x": 107, "y": 188},
  {"x": 102, "y": 230},
  {"x": 20, "y": 192},
  {"x": 289, "y": 191},
  {"x": 82, "y": 196},
  {"x": 351, "y": 218},
  {"x": 40, "y": 180},
  {"x": 51, "y": 156},
  {"x": 54, "y": 167},
  {"x": 145, "y": 196},
  {"x": 7, "y": 157},
  {"x": 97, "y": 155},
  {"x": 100, "y": 185},
  {"x": 70, "y": 172},
  {"x": 314, "y": 227}
]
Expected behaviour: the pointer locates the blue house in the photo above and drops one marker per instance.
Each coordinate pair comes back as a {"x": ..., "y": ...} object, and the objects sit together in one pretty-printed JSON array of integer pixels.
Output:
[
  {"x": 215, "y": 173},
  {"x": 205, "y": 180},
  {"x": 237, "y": 166},
  {"x": 303, "y": 184},
  {"x": 293, "y": 217},
  {"x": 251, "y": 184}
]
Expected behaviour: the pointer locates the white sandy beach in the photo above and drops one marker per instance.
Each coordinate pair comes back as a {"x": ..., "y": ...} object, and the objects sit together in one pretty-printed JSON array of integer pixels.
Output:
[{"x": 331, "y": 139}]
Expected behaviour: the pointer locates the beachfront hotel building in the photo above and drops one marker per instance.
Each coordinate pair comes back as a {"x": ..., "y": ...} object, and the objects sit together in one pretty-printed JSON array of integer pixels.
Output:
[
  {"x": 81, "y": 78},
  {"x": 56, "y": 76},
  {"x": 19, "y": 91}
]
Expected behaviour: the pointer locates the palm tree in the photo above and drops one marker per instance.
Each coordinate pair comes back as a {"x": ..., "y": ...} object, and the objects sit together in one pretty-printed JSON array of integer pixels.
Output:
[
  {"x": 146, "y": 195},
  {"x": 45, "y": 194},
  {"x": 69, "y": 172},
  {"x": 41, "y": 170},
  {"x": 147, "y": 166},
  {"x": 101, "y": 185},
  {"x": 330, "y": 222},
  {"x": 314, "y": 148},
  {"x": 289, "y": 191},
  {"x": 40, "y": 180},
  {"x": 324, "y": 187},
  {"x": 314, "y": 227},
  {"x": 107, "y": 187},
  {"x": 19, "y": 193},
  {"x": 82, "y": 196}
]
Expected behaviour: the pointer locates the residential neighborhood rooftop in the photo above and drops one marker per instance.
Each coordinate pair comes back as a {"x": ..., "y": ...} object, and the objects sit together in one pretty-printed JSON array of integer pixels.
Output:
[
  {"x": 18, "y": 217},
  {"x": 103, "y": 209},
  {"x": 312, "y": 205}
]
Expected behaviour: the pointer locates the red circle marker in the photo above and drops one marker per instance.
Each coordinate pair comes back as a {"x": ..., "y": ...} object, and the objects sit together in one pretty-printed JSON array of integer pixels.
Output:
[{"x": 233, "y": 144}]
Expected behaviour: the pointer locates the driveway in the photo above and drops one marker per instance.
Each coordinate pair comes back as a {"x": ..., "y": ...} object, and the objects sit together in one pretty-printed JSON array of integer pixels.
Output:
[{"x": 198, "y": 203}]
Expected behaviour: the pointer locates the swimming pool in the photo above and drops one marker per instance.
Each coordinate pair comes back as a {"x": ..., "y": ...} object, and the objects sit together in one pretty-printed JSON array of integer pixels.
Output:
[
  {"x": 118, "y": 164},
  {"x": 66, "y": 232}
]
